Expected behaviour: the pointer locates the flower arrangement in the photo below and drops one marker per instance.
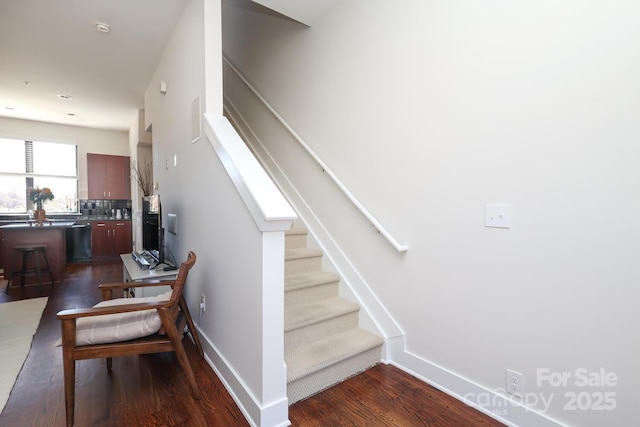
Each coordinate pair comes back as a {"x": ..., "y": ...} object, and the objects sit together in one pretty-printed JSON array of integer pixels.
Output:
[{"x": 40, "y": 195}]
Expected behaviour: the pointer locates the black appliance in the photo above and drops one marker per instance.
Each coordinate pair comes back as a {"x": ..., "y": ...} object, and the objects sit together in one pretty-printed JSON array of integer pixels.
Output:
[
  {"x": 79, "y": 242},
  {"x": 152, "y": 231},
  {"x": 151, "y": 223}
]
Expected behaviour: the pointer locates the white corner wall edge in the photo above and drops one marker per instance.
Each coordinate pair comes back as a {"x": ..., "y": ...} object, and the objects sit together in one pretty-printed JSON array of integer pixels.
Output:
[
  {"x": 275, "y": 414},
  {"x": 465, "y": 390},
  {"x": 268, "y": 207}
]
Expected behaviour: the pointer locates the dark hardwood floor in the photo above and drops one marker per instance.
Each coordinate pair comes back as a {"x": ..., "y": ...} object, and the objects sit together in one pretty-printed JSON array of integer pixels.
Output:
[{"x": 149, "y": 391}]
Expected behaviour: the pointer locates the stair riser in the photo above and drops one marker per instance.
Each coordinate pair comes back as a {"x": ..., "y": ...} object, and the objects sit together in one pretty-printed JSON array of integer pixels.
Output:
[
  {"x": 302, "y": 265},
  {"x": 295, "y": 241},
  {"x": 316, "y": 331},
  {"x": 298, "y": 297},
  {"x": 332, "y": 375}
]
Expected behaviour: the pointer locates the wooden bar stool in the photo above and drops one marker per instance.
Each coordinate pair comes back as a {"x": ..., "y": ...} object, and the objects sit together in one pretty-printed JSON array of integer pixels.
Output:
[{"x": 28, "y": 251}]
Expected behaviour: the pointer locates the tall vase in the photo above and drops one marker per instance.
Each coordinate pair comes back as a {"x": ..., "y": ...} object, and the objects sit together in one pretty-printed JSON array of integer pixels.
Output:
[{"x": 39, "y": 215}]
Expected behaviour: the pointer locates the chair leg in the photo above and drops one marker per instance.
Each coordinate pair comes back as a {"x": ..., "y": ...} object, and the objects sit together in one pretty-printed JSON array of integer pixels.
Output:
[
  {"x": 11, "y": 272},
  {"x": 25, "y": 259},
  {"x": 38, "y": 273},
  {"x": 192, "y": 328},
  {"x": 176, "y": 340},
  {"x": 69, "y": 367},
  {"x": 46, "y": 261},
  {"x": 69, "y": 389},
  {"x": 109, "y": 363}
]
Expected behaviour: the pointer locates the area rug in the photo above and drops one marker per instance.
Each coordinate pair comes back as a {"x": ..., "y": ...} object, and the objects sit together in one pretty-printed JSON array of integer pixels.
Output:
[{"x": 18, "y": 323}]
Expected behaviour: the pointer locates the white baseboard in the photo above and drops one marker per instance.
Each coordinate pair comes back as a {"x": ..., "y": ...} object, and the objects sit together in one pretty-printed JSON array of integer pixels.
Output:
[
  {"x": 274, "y": 414},
  {"x": 460, "y": 388},
  {"x": 480, "y": 398}
]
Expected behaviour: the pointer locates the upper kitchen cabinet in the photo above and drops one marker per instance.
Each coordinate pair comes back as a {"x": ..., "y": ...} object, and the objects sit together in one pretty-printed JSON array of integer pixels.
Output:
[{"x": 108, "y": 177}]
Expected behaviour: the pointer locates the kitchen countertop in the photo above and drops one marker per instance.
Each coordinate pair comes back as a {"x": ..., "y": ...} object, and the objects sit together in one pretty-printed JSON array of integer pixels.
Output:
[
  {"x": 102, "y": 218},
  {"x": 45, "y": 225},
  {"x": 56, "y": 222}
]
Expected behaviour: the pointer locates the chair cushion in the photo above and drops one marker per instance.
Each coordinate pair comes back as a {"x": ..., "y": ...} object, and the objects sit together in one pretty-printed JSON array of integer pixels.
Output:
[{"x": 121, "y": 326}]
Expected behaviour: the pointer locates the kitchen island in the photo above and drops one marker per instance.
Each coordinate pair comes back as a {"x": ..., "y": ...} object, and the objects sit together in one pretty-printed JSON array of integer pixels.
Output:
[{"x": 51, "y": 233}]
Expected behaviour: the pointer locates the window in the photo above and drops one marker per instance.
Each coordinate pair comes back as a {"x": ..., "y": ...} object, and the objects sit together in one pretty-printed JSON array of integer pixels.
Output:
[{"x": 30, "y": 164}]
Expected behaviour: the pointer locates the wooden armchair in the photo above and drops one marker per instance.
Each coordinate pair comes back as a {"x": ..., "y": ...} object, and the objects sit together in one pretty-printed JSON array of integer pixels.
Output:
[{"x": 173, "y": 315}]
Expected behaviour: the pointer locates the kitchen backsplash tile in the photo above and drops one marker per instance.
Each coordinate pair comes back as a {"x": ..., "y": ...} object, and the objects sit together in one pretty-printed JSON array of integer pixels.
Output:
[{"x": 98, "y": 208}]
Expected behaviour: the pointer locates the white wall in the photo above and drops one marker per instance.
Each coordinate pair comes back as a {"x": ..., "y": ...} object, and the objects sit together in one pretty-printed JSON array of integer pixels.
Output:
[
  {"x": 141, "y": 154},
  {"x": 214, "y": 222},
  {"x": 429, "y": 110},
  {"x": 88, "y": 140}
]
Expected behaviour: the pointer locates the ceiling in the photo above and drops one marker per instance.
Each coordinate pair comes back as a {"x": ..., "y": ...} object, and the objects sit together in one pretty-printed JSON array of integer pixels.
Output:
[{"x": 51, "y": 47}]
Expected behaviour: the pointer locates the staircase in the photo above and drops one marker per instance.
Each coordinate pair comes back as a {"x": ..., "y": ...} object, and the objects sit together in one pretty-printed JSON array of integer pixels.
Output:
[{"x": 323, "y": 343}]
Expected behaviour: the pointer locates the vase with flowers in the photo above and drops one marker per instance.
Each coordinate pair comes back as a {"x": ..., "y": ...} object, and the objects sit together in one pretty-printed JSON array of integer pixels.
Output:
[{"x": 38, "y": 196}]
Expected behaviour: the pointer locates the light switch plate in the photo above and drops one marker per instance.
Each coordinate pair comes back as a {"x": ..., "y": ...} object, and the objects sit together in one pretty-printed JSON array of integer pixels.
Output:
[{"x": 497, "y": 216}]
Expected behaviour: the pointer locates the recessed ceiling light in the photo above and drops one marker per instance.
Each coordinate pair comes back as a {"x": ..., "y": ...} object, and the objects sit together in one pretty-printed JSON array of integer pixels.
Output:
[
  {"x": 9, "y": 108},
  {"x": 101, "y": 27},
  {"x": 71, "y": 114},
  {"x": 64, "y": 96},
  {"x": 27, "y": 84}
]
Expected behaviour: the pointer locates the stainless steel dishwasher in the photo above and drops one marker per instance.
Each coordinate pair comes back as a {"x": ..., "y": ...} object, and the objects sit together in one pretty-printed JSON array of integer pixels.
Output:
[{"x": 79, "y": 242}]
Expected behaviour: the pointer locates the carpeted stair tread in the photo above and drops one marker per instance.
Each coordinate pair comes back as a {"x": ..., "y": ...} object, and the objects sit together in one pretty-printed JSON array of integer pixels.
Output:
[
  {"x": 296, "y": 231},
  {"x": 304, "y": 287},
  {"x": 308, "y": 280},
  {"x": 300, "y": 253},
  {"x": 302, "y": 260},
  {"x": 313, "y": 357},
  {"x": 317, "y": 312}
]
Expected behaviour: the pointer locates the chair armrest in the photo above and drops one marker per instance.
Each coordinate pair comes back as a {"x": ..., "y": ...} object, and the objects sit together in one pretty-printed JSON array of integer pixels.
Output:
[
  {"x": 114, "y": 309},
  {"x": 125, "y": 285},
  {"x": 108, "y": 288}
]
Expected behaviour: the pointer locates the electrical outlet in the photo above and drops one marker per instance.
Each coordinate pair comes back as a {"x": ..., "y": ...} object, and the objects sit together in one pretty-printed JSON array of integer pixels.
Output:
[
  {"x": 515, "y": 383},
  {"x": 497, "y": 216},
  {"x": 203, "y": 303}
]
